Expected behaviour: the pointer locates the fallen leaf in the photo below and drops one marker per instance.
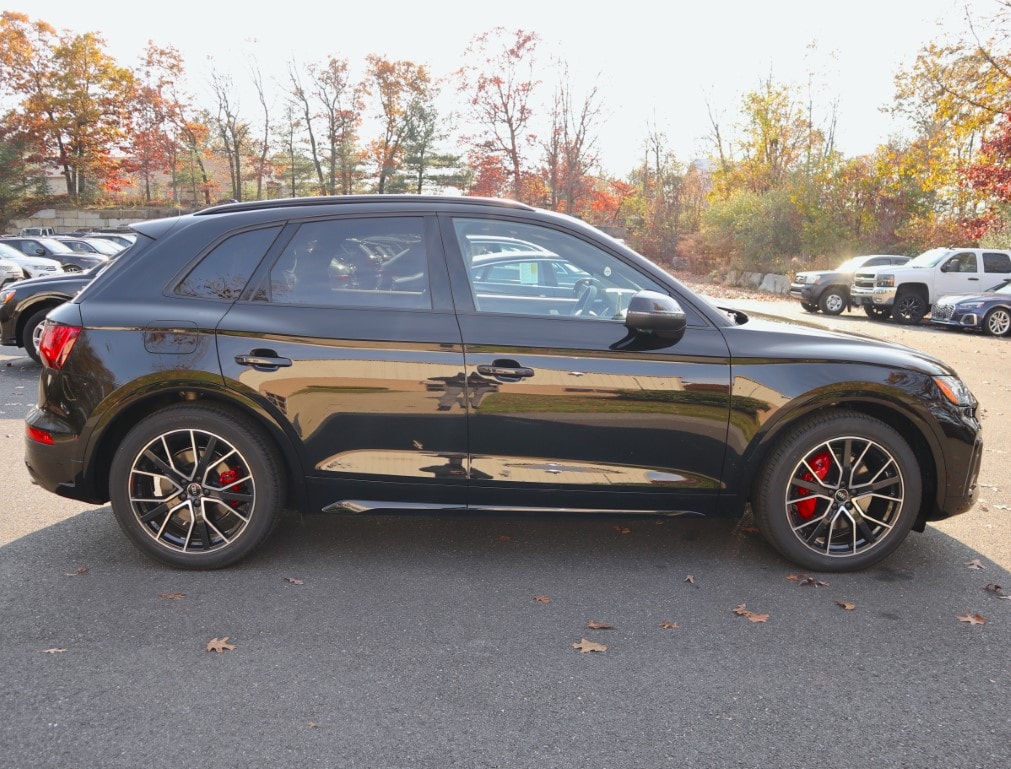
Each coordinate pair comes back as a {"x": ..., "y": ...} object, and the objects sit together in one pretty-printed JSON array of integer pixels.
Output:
[
  {"x": 993, "y": 588},
  {"x": 743, "y": 611},
  {"x": 622, "y": 529},
  {"x": 846, "y": 605},
  {"x": 668, "y": 625},
  {"x": 975, "y": 564},
  {"x": 173, "y": 596},
  {"x": 294, "y": 581},
  {"x": 417, "y": 445},
  {"x": 973, "y": 619},
  {"x": 53, "y": 651},
  {"x": 542, "y": 599},
  {"x": 219, "y": 645},
  {"x": 78, "y": 571},
  {"x": 690, "y": 579},
  {"x": 585, "y": 646},
  {"x": 313, "y": 725},
  {"x": 812, "y": 582},
  {"x": 794, "y": 577},
  {"x": 594, "y": 625}
]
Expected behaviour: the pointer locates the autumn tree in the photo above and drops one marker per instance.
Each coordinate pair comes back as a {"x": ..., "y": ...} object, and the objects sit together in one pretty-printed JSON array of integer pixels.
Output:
[
  {"x": 74, "y": 100},
  {"x": 232, "y": 131},
  {"x": 330, "y": 108},
  {"x": 571, "y": 149},
  {"x": 402, "y": 92},
  {"x": 499, "y": 85}
]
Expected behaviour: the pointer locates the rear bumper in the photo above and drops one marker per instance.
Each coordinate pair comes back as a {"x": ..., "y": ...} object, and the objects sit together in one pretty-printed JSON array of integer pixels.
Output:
[{"x": 55, "y": 466}]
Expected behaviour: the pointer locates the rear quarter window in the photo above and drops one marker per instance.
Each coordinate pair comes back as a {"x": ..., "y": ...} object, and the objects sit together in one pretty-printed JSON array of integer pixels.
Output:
[{"x": 225, "y": 270}]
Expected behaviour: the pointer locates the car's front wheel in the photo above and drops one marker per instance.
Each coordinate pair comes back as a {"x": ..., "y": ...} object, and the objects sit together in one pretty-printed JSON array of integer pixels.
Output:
[
  {"x": 832, "y": 301},
  {"x": 838, "y": 492},
  {"x": 910, "y": 307},
  {"x": 196, "y": 486},
  {"x": 997, "y": 322}
]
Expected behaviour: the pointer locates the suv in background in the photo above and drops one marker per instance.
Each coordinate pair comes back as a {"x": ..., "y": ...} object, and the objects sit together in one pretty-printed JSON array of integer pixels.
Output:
[
  {"x": 37, "y": 232},
  {"x": 829, "y": 290},
  {"x": 226, "y": 371},
  {"x": 907, "y": 293}
]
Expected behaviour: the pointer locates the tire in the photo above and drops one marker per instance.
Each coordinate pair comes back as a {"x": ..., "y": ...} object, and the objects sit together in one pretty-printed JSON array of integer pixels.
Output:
[
  {"x": 874, "y": 312},
  {"x": 821, "y": 515},
  {"x": 31, "y": 332},
  {"x": 809, "y": 306},
  {"x": 196, "y": 487},
  {"x": 71, "y": 268},
  {"x": 832, "y": 301},
  {"x": 910, "y": 307},
  {"x": 997, "y": 322}
]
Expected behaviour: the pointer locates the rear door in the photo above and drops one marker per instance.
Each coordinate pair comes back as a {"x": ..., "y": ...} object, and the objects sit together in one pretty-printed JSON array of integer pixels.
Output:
[{"x": 348, "y": 337}]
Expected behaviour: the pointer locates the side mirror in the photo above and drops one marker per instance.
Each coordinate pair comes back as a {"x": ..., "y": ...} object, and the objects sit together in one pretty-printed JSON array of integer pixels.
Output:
[
  {"x": 652, "y": 313},
  {"x": 949, "y": 267},
  {"x": 40, "y": 251}
]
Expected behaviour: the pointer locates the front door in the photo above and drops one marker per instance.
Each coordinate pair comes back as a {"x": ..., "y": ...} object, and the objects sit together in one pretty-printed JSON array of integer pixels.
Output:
[{"x": 566, "y": 410}]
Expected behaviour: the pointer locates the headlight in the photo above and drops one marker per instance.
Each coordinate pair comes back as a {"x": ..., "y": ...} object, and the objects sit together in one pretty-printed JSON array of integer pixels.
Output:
[
  {"x": 970, "y": 305},
  {"x": 955, "y": 391},
  {"x": 6, "y": 296},
  {"x": 885, "y": 281}
]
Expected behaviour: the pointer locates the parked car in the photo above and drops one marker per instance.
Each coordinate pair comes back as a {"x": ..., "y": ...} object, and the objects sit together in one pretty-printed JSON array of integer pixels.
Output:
[
  {"x": 24, "y": 305},
  {"x": 89, "y": 245},
  {"x": 988, "y": 311},
  {"x": 219, "y": 376},
  {"x": 32, "y": 266},
  {"x": 123, "y": 239},
  {"x": 9, "y": 272},
  {"x": 51, "y": 248},
  {"x": 906, "y": 293},
  {"x": 829, "y": 290},
  {"x": 37, "y": 232}
]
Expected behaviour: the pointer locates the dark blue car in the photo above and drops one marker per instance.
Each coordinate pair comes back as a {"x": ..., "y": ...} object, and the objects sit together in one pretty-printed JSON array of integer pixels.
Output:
[{"x": 988, "y": 311}]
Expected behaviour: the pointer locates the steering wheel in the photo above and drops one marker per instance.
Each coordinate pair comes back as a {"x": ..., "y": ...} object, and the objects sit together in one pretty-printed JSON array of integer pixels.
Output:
[{"x": 588, "y": 292}]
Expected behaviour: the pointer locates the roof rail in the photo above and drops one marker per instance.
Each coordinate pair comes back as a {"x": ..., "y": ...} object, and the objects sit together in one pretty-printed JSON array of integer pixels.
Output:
[{"x": 262, "y": 205}]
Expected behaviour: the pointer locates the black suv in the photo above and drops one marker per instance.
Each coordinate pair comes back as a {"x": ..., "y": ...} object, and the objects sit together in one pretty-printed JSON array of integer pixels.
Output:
[{"x": 234, "y": 366}]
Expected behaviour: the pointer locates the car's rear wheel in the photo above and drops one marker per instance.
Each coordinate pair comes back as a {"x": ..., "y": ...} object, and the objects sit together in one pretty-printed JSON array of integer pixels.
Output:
[
  {"x": 196, "y": 487},
  {"x": 874, "y": 312},
  {"x": 838, "y": 493},
  {"x": 997, "y": 322},
  {"x": 832, "y": 301},
  {"x": 31, "y": 333},
  {"x": 71, "y": 268}
]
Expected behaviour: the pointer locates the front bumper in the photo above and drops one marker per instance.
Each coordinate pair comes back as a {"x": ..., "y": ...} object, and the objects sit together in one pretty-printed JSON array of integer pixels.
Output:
[{"x": 881, "y": 297}]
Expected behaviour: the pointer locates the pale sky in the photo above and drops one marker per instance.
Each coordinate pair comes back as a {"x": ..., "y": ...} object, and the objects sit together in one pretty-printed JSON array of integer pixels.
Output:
[{"x": 654, "y": 62}]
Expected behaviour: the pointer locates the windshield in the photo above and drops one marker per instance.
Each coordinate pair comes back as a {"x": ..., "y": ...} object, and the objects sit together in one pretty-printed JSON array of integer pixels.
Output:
[{"x": 929, "y": 258}]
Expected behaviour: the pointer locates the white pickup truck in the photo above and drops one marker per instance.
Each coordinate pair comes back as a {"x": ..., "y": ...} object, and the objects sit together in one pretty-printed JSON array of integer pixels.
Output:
[{"x": 907, "y": 292}]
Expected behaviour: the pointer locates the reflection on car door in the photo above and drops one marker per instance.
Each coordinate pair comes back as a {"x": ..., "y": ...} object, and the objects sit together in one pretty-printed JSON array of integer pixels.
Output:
[
  {"x": 569, "y": 412},
  {"x": 357, "y": 373}
]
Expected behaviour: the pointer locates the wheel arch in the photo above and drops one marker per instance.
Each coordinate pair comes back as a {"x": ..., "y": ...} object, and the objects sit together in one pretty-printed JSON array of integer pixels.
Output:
[
  {"x": 109, "y": 433},
  {"x": 920, "y": 440},
  {"x": 45, "y": 303}
]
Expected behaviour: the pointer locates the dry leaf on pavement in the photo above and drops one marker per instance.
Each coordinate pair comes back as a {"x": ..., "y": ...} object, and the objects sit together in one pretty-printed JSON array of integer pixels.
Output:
[
  {"x": 542, "y": 599},
  {"x": 973, "y": 619},
  {"x": 975, "y": 564},
  {"x": 219, "y": 645},
  {"x": 594, "y": 625},
  {"x": 53, "y": 651},
  {"x": 668, "y": 625},
  {"x": 846, "y": 605},
  {"x": 173, "y": 596},
  {"x": 585, "y": 646},
  {"x": 294, "y": 581},
  {"x": 743, "y": 611}
]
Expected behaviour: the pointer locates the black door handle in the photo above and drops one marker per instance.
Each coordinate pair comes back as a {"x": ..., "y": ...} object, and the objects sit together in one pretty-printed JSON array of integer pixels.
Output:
[
  {"x": 506, "y": 372},
  {"x": 263, "y": 360}
]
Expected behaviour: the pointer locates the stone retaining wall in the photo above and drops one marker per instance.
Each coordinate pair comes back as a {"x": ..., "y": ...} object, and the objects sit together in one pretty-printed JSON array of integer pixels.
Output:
[
  {"x": 73, "y": 219},
  {"x": 769, "y": 281}
]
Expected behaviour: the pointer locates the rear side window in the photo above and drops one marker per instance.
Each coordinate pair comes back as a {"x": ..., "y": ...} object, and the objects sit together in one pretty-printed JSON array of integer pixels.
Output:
[
  {"x": 993, "y": 262},
  {"x": 378, "y": 262},
  {"x": 224, "y": 271}
]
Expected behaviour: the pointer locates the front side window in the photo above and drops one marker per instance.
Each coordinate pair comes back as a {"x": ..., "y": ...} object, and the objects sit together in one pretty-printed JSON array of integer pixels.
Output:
[
  {"x": 557, "y": 274},
  {"x": 965, "y": 262},
  {"x": 370, "y": 262}
]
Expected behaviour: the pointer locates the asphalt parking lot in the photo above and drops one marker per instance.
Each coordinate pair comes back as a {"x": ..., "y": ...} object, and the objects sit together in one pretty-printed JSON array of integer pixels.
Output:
[{"x": 392, "y": 642}]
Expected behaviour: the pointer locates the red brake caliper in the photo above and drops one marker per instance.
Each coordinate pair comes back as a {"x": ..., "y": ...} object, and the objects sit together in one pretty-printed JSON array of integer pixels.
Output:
[
  {"x": 820, "y": 463},
  {"x": 231, "y": 476}
]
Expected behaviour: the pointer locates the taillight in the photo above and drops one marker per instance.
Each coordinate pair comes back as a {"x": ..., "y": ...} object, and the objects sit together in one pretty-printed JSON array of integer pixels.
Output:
[{"x": 56, "y": 343}]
